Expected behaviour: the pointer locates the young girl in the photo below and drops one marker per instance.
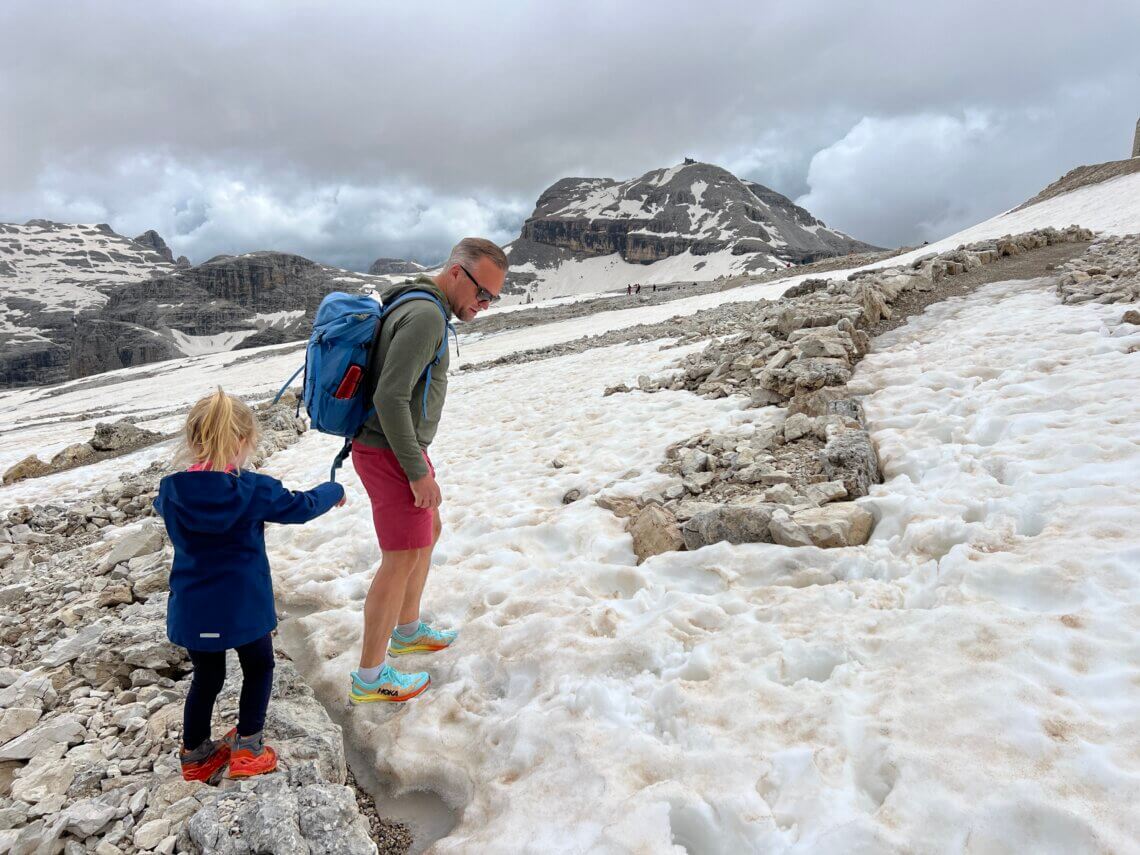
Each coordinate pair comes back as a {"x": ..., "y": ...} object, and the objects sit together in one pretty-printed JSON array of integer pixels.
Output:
[{"x": 221, "y": 594}]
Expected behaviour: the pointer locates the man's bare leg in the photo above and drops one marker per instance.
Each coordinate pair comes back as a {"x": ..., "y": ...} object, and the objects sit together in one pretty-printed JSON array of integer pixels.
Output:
[
  {"x": 410, "y": 609},
  {"x": 385, "y": 599}
]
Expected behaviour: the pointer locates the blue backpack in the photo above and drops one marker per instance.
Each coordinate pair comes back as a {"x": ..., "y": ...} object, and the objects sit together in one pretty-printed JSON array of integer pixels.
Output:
[{"x": 337, "y": 389}]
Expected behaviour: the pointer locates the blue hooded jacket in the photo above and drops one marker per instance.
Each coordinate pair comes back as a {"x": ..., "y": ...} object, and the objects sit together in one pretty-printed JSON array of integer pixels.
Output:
[{"x": 221, "y": 594}]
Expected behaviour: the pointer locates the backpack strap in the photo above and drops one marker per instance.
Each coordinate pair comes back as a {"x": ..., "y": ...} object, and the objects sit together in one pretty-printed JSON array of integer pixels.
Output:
[
  {"x": 447, "y": 326},
  {"x": 345, "y": 450},
  {"x": 277, "y": 397}
]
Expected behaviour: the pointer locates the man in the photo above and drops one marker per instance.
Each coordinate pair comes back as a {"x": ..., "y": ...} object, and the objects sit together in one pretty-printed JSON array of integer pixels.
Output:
[{"x": 389, "y": 454}]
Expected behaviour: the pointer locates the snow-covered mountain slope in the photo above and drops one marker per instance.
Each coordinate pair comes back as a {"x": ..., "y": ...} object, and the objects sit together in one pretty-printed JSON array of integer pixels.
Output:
[
  {"x": 1111, "y": 206},
  {"x": 693, "y": 221},
  {"x": 79, "y": 300},
  {"x": 964, "y": 681},
  {"x": 66, "y": 268}
]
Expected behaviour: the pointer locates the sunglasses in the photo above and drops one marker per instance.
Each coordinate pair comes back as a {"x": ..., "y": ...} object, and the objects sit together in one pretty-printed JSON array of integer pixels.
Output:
[{"x": 482, "y": 294}]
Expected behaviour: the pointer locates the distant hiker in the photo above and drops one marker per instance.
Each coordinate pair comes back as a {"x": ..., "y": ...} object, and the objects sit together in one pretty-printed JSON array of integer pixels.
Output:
[
  {"x": 654, "y": 287},
  {"x": 628, "y": 290},
  {"x": 637, "y": 290},
  {"x": 221, "y": 594},
  {"x": 389, "y": 454}
]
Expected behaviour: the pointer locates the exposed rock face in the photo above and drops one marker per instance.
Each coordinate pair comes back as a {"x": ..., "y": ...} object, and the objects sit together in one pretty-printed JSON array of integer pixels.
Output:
[
  {"x": 153, "y": 241},
  {"x": 130, "y": 305},
  {"x": 103, "y": 345},
  {"x": 50, "y": 272},
  {"x": 389, "y": 266},
  {"x": 696, "y": 208}
]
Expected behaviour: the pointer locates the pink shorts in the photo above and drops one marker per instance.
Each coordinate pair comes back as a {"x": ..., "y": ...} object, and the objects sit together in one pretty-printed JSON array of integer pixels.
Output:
[{"x": 399, "y": 523}]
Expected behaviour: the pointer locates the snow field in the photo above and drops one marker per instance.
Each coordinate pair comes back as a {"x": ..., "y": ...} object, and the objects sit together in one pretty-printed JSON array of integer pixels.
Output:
[{"x": 965, "y": 682}]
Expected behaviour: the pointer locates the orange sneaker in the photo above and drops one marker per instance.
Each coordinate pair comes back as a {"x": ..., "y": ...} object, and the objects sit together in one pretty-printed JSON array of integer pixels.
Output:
[
  {"x": 205, "y": 761},
  {"x": 245, "y": 764}
]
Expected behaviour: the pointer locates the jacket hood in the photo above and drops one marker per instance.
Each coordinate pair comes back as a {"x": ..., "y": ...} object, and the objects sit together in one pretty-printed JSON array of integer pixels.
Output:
[
  {"x": 209, "y": 502},
  {"x": 420, "y": 283}
]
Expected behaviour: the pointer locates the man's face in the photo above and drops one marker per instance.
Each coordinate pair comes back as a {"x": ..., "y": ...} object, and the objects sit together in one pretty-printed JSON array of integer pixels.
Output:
[{"x": 484, "y": 273}]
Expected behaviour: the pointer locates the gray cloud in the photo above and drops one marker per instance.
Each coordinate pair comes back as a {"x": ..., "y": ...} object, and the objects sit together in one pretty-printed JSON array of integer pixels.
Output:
[{"x": 351, "y": 130}]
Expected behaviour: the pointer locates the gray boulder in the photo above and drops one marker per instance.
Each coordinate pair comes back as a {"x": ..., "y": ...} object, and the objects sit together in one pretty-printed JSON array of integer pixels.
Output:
[
  {"x": 62, "y": 730},
  {"x": 850, "y": 457},
  {"x": 731, "y": 523},
  {"x": 121, "y": 435}
]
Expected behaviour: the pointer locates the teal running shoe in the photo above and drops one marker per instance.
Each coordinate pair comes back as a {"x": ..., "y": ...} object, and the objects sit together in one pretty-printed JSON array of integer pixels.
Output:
[
  {"x": 392, "y": 686},
  {"x": 423, "y": 640}
]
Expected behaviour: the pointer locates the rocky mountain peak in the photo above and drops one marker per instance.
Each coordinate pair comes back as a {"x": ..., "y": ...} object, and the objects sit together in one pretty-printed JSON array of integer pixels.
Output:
[
  {"x": 153, "y": 241},
  {"x": 721, "y": 223},
  {"x": 395, "y": 266}
]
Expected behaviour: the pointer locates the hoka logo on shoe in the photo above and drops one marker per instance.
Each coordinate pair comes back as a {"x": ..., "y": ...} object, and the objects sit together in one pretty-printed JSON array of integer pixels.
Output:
[{"x": 389, "y": 692}]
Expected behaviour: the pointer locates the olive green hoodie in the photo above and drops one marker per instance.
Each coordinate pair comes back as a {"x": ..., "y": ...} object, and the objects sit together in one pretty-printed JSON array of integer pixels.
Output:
[{"x": 409, "y": 339}]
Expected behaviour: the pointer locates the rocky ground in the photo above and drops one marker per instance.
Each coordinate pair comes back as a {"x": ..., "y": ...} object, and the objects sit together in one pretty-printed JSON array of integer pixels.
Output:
[
  {"x": 91, "y": 697},
  {"x": 792, "y": 483},
  {"x": 109, "y": 440},
  {"x": 493, "y": 322}
]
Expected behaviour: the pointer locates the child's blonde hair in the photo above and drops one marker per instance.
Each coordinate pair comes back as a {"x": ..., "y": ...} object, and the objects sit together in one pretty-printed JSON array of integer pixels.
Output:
[{"x": 217, "y": 431}]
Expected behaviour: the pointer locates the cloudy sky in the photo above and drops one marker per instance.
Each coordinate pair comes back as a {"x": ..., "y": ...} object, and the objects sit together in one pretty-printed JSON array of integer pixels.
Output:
[{"x": 345, "y": 131}]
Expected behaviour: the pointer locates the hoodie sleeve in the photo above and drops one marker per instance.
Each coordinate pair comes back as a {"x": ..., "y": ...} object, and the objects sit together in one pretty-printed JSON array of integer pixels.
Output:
[
  {"x": 289, "y": 506},
  {"x": 158, "y": 500}
]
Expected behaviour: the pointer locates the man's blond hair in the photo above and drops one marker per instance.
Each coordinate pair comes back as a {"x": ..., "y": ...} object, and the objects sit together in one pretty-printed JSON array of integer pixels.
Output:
[{"x": 469, "y": 250}]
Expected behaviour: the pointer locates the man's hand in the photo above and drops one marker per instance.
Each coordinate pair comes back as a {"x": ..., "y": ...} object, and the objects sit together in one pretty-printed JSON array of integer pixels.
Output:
[
  {"x": 343, "y": 499},
  {"x": 426, "y": 492}
]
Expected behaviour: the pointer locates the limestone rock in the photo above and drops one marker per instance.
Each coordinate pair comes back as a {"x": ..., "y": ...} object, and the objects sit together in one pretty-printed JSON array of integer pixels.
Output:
[
  {"x": 73, "y": 455},
  {"x": 655, "y": 531},
  {"x": 146, "y": 540},
  {"x": 850, "y": 457},
  {"x": 273, "y": 817},
  {"x": 732, "y": 524},
  {"x": 30, "y": 689},
  {"x": 785, "y": 531},
  {"x": 88, "y": 817},
  {"x": 16, "y": 721},
  {"x": 619, "y": 506},
  {"x": 63, "y": 730},
  {"x": 150, "y": 834},
  {"x": 842, "y": 524},
  {"x": 30, "y": 467},
  {"x": 47, "y": 775},
  {"x": 120, "y": 435}
]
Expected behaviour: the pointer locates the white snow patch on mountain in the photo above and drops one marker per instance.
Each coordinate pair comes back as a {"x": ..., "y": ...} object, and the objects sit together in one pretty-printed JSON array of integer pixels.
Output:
[
  {"x": 197, "y": 345},
  {"x": 61, "y": 265},
  {"x": 1112, "y": 206}
]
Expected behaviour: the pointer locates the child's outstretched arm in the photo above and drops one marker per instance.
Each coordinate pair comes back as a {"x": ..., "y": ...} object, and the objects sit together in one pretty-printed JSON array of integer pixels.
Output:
[{"x": 289, "y": 506}]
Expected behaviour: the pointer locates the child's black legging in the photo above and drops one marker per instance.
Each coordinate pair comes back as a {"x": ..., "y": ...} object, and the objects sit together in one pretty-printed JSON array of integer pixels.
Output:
[{"x": 210, "y": 673}]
